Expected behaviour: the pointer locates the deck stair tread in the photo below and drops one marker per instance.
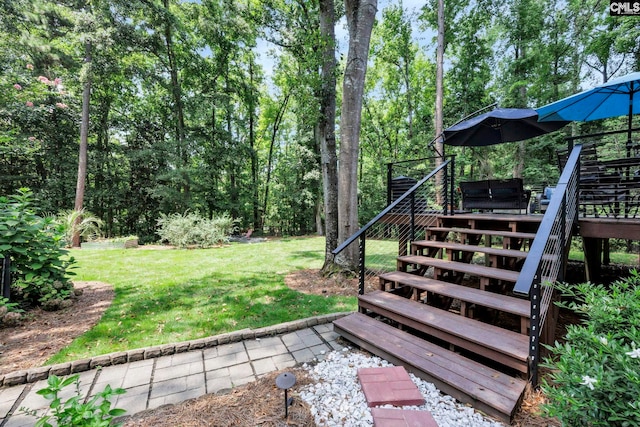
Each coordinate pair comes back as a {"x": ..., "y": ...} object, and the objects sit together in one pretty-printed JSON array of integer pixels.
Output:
[
  {"x": 473, "y": 335},
  {"x": 510, "y": 234},
  {"x": 511, "y": 253},
  {"x": 487, "y": 389},
  {"x": 508, "y": 304},
  {"x": 462, "y": 267}
]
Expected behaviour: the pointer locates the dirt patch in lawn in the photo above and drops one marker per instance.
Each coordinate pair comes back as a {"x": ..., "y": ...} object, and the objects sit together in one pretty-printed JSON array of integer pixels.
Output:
[{"x": 313, "y": 283}]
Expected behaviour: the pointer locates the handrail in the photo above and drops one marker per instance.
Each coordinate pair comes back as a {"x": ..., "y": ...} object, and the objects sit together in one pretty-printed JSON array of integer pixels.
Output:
[
  {"x": 593, "y": 135},
  {"x": 548, "y": 253},
  {"x": 389, "y": 208},
  {"x": 390, "y": 171}
]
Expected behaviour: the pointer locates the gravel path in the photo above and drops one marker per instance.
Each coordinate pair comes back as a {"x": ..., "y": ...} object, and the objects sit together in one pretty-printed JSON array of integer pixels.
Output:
[{"x": 336, "y": 399}]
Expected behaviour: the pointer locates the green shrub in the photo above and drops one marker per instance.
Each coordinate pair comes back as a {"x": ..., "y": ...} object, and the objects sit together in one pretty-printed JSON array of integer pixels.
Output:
[
  {"x": 595, "y": 375},
  {"x": 191, "y": 229},
  {"x": 86, "y": 224},
  {"x": 96, "y": 412},
  {"x": 39, "y": 268}
]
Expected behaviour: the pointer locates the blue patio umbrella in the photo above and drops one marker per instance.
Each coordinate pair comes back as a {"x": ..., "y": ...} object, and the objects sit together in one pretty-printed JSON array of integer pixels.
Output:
[
  {"x": 498, "y": 126},
  {"x": 612, "y": 99}
]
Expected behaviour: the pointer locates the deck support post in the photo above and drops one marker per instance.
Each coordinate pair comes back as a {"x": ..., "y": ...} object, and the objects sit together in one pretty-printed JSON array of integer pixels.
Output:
[
  {"x": 5, "y": 280},
  {"x": 361, "y": 246},
  {"x": 412, "y": 225},
  {"x": 534, "y": 333}
]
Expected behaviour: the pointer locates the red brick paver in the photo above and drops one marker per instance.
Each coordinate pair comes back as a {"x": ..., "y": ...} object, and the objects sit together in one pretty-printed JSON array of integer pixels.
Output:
[
  {"x": 386, "y": 417},
  {"x": 390, "y": 385}
]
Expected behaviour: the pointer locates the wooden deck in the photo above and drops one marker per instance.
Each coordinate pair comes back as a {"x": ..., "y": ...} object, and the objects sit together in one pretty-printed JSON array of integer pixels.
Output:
[
  {"x": 436, "y": 313},
  {"x": 448, "y": 313}
]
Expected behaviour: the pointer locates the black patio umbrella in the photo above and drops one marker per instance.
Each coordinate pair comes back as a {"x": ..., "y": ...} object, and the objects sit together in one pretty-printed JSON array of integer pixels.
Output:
[{"x": 498, "y": 126}]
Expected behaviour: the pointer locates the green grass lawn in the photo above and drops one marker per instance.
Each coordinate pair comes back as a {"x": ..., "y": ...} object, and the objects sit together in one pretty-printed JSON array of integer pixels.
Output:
[{"x": 165, "y": 296}]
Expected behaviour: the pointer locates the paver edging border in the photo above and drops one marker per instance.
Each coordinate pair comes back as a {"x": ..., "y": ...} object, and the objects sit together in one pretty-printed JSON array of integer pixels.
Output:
[{"x": 67, "y": 368}]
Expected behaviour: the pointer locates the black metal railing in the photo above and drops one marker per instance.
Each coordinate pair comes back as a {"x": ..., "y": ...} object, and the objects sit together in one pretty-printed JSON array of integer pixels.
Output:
[
  {"x": 548, "y": 254},
  {"x": 610, "y": 173},
  {"x": 401, "y": 222}
]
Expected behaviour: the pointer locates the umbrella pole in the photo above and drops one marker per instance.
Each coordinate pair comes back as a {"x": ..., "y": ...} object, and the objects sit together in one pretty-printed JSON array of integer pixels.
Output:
[{"x": 630, "y": 121}]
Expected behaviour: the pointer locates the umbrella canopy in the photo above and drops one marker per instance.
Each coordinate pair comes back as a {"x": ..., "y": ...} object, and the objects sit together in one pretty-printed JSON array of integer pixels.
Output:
[
  {"x": 498, "y": 126},
  {"x": 612, "y": 99}
]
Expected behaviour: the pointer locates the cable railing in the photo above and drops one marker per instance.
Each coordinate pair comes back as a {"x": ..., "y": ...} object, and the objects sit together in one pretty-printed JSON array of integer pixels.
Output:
[
  {"x": 548, "y": 254},
  {"x": 404, "y": 220},
  {"x": 610, "y": 174}
]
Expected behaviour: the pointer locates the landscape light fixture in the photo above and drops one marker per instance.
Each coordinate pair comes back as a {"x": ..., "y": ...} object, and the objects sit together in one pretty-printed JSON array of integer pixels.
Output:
[{"x": 285, "y": 381}]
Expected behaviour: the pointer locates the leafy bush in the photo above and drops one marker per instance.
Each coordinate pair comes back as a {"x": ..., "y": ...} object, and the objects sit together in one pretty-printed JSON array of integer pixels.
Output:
[
  {"x": 191, "y": 229},
  {"x": 595, "y": 375},
  {"x": 96, "y": 412},
  {"x": 39, "y": 268},
  {"x": 86, "y": 224}
]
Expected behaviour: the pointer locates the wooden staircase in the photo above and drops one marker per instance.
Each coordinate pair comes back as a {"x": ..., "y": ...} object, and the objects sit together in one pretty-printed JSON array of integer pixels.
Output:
[{"x": 447, "y": 314}]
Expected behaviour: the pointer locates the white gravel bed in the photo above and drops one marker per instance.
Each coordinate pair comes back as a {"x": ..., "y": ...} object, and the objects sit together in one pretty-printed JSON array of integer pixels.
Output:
[{"x": 336, "y": 398}]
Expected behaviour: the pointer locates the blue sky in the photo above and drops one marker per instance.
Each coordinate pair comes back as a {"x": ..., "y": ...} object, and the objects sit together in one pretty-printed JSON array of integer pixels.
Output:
[{"x": 412, "y": 6}]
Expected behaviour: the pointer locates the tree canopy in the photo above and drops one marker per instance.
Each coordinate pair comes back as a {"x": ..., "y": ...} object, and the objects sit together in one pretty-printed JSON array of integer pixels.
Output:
[{"x": 219, "y": 106}]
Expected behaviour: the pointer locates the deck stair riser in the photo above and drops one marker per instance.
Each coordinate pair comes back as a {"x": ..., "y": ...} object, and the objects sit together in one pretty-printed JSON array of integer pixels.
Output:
[
  {"x": 496, "y": 257},
  {"x": 492, "y": 342},
  {"x": 419, "y": 245},
  {"x": 510, "y": 239},
  {"x": 484, "y": 273},
  {"x": 486, "y": 389},
  {"x": 466, "y": 295}
]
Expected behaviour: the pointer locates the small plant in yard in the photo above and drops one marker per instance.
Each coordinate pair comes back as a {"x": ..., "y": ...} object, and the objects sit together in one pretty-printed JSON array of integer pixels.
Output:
[
  {"x": 193, "y": 229},
  {"x": 595, "y": 374},
  {"x": 10, "y": 312},
  {"x": 86, "y": 224},
  {"x": 96, "y": 412}
]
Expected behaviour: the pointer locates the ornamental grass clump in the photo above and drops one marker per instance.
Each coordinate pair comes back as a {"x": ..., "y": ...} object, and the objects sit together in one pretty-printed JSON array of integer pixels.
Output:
[
  {"x": 192, "y": 229},
  {"x": 595, "y": 374}
]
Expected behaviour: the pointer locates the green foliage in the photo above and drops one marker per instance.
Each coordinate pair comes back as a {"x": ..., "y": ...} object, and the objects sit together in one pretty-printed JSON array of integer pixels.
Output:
[
  {"x": 83, "y": 222},
  {"x": 9, "y": 306},
  {"x": 39, "y": 268},
  {"x": 191, "y": 229},
  {"x": 595, "y": 375},
  {"x": 96, "y": 412}
]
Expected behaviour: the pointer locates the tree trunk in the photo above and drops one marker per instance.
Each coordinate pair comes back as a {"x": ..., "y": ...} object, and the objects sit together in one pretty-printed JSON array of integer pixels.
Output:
[
  {"x": 360, "y": 18},
  {"x": 518, "y": 169},
  {"x": 439, "y": 115},
  {"x": 274, "y": 134},
  {"x": 84, "y": 136},
  {"x": 176, "y": 92},
  {"x": 326, "y": 130},
  {"x": 257, "y": 224}
]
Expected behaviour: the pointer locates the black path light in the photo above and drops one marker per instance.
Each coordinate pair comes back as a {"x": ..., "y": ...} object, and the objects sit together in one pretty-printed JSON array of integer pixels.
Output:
[{"x": 285, "y": 381}]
